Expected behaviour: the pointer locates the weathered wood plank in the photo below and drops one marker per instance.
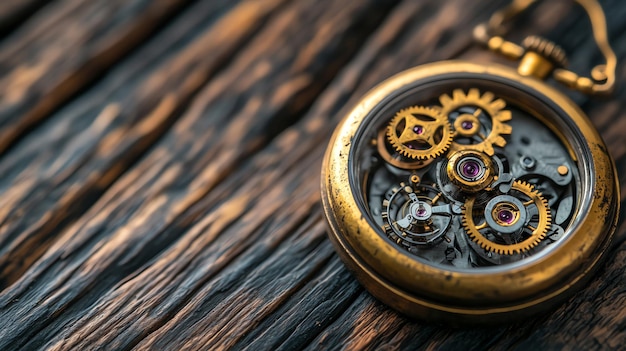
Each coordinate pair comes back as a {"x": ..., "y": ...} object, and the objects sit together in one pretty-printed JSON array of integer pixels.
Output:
[
  {"x": 65, "y": 47},
  {"x": 15, "y": 12},
  {"x": 310, "y": 141},
  {"x": 90, "y": 143},
  {"x": 215, "y": 239},
  {"x": 371, "y": 326},
  {"x": 285, "y": 68}
]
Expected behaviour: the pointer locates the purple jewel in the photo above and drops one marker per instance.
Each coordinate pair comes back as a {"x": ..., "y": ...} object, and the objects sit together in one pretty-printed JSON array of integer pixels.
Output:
[
  {"x": 421, "y": 212},
  {"x": 505, "y": 216},
  {"x": 467, "y": 125},
  {"x": 470, "y": 169},
  {"x": 418, "y": 129}
]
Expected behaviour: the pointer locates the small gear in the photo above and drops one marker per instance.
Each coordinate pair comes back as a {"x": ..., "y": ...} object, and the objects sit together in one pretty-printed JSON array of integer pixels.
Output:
[
  {"x": 512, "y": 223},
  {"x": 419, "y": 133},
  {"x": 467, "y": 124}
]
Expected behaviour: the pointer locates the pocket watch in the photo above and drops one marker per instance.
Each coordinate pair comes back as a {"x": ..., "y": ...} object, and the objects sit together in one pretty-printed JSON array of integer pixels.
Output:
[{"x": 461, "y": 192}]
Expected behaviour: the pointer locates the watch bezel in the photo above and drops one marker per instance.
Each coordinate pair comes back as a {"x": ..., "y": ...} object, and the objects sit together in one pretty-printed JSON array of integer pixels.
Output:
[{"x": 415, "y": 287}]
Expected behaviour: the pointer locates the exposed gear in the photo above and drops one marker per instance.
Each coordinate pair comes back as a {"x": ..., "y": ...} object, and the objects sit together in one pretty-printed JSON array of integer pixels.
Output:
[
  {"x": 470, "y": 170},
  {"x": 467, "y": 125},
  {"x": 420, "y": 133},
  {"x": 467, "y": 111},
  {"x": 459, "y": 206},
  {"x": 508, "y": 224},
  {"x": 394, "y": 158},
  {"x": 415, "y": 215}
]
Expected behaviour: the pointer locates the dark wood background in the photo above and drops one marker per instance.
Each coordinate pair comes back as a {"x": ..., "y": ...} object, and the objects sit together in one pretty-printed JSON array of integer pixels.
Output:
[{"x": 159, "y": 171}]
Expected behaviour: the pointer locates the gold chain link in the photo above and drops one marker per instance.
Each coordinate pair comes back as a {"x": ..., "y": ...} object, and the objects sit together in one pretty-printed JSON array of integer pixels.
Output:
[{"x": 602, "y": 79}]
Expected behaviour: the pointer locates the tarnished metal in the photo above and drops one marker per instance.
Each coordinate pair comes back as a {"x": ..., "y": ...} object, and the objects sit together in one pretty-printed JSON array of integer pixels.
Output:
[
  {"x": 410, "y": 266},
  {"x": 462, "y": 192}
]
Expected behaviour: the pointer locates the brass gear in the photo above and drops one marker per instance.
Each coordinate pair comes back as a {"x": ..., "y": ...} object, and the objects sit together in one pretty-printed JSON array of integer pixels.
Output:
[
  {"x": 419, "y": 133},
  {"x": 397, "y": 160},
  {"x": 536, "y": 235},
  {"x": 468, "y": 125}
]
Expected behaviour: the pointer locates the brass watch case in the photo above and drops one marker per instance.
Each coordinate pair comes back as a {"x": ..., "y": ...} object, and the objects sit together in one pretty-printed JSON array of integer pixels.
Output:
[{"x": 422, "y": 290}]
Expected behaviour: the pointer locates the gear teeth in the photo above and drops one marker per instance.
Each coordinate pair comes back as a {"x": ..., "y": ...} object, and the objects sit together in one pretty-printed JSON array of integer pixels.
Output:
[
  {"x": 488, "y": 149},
  {"x": 473, "y": 94},
  {"x": 445, "y": 99},
  {"x": 435, "y": 150},
  {"x": 457, "y": 95},
  {"x": 487, "y": 97},
  {"x": 498, "y": 104},
  {"x": 504, "y": 116},
  {"x": 493, "y": 107},
  {"x": 533, "y": 241},
  {"x": 499, "y": 141},
  {"x": 505, "y": 129}
]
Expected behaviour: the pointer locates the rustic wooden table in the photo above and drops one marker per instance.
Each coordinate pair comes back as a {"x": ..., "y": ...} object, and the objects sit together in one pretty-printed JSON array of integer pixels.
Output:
[{"x": 159, "y": 171}]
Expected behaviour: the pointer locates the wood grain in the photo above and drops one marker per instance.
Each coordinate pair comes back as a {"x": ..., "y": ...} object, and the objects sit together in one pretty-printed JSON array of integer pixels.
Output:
[
  {"x": 175, "y": 204},
  {"x": 114, "y": 125},
  {"x": 13, "y": 13},
  {"x": 210, "y": 146},
  {"x": 37, "y": 74}
]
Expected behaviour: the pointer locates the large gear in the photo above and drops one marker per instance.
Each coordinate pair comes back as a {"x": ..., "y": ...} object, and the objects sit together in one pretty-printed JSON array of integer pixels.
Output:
[
  {"x": 420, "y": 133},
  {"x": 468, "y": 124},
  {"x": 512, "y": 223}
]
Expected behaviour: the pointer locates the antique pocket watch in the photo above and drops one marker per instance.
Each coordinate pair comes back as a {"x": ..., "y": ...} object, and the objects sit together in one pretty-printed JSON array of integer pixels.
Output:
[{"x": 463, "y": 192}]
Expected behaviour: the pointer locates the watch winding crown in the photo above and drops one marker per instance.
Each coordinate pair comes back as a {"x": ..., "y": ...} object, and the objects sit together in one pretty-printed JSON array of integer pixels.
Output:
[
  {"x": 546, "y": 49},
  {"x": 541, "y": 57}
]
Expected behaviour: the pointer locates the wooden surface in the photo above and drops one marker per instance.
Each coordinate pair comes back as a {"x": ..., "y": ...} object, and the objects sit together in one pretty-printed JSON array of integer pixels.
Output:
[{"x": 159, "y": 171}]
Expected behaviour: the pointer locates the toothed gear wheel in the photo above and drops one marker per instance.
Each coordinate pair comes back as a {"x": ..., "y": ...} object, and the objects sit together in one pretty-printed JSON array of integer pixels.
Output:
[
  {"x": 508, "y": 224},
  {"x": 420, "y": 133},
  {"x": 468, "y": 123}
]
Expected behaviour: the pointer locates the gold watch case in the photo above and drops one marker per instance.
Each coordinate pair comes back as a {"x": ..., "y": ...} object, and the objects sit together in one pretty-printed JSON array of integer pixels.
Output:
[{"x": 500, "y": 256}]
